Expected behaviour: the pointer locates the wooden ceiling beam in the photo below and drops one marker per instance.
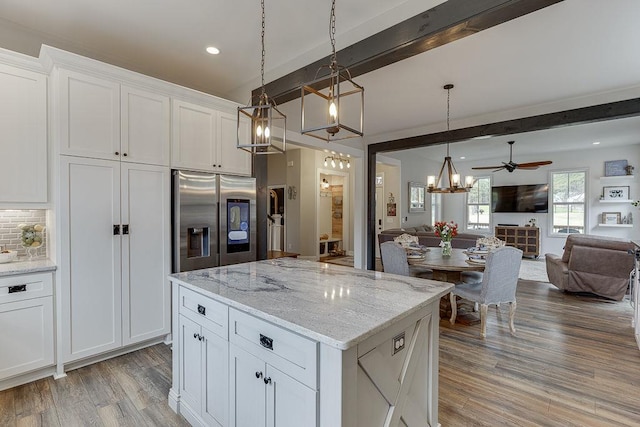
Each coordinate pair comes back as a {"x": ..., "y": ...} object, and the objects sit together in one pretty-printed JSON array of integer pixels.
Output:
[{"x": 442, "y": 24}]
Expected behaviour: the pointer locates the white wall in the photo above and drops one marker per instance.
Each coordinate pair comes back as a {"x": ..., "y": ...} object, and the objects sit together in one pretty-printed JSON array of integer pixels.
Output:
[
  {"x": 392, "y": 185},
  {"x": 593, "y": 159}
]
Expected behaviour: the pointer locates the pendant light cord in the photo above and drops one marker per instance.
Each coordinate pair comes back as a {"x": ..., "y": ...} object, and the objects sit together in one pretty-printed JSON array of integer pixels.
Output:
[
  {"x": 448, "y": 108},
  {"x": 262, "y": 95},
  {"x": 332, "y": 34}
]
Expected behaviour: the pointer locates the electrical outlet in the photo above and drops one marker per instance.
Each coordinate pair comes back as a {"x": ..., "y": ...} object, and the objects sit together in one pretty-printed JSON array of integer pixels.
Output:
[{"x": 398, "y": 343}]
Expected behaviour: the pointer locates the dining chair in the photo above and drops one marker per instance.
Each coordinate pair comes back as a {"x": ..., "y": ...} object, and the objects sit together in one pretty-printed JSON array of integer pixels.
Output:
[
  {"x": 394, "y": 258},
  {"x": 498, "y": 285}
]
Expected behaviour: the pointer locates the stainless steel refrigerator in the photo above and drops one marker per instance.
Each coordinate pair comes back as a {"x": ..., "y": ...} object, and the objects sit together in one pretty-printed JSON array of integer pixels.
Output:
[{"x": 214, "y": 220}]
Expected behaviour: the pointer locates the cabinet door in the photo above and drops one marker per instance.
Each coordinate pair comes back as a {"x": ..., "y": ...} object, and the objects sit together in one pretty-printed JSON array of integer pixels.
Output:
[
  {"x": 247, "y": 389},
  {"x": 145, "y": 127},
  {"x": 89, "y": 116},
  {"x": 23, "y": 151},
  {"x": 27, "y": 336},
  {"x": 190, "y": 363},
  {"x": 146, "y": 251},
  {"x": 193, "y": 140},
  {"x": 232, "y": 159},
  {"x": 91, "y": 253},
  {"x": 289, "y": 403},
  {"x": 215, "y": 404}
]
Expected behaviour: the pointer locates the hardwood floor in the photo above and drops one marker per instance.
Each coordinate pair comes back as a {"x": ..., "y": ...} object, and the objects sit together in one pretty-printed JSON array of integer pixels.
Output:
[
  {"x": 573, "y": 362},
  {"x": 129, "y": 390}
]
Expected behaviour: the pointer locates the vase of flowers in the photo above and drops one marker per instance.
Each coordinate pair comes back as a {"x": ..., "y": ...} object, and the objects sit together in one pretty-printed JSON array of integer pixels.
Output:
[{"x": 446, "y": 231}]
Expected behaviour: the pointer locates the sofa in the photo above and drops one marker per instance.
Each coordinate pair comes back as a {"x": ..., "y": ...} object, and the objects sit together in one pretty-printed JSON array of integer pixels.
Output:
[
  {"x": 427, "y": 236},
  {"x": 593, "y": 264}
]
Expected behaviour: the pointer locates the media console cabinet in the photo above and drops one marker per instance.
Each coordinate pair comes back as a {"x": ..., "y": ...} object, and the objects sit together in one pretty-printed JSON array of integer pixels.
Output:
[{"x": 527, "y": 239}]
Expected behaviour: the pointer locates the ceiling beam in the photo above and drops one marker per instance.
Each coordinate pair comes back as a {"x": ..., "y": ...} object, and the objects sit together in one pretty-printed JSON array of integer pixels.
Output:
[{"x": 442, "y": 24}]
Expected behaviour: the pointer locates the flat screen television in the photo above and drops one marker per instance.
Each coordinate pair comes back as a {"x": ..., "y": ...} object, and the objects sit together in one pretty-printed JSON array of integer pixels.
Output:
[{"x": 520, "y": 198}]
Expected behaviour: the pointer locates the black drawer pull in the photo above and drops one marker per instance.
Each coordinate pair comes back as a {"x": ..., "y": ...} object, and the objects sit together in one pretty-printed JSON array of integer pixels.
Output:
[
  {"x": 17, "y": 288},
  {"x": 266, "y": 342},
  {"x": 202, "y": 310}
]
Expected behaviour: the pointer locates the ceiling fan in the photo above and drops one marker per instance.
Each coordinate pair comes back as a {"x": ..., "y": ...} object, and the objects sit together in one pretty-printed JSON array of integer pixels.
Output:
[{"x": 511, "y": 165}]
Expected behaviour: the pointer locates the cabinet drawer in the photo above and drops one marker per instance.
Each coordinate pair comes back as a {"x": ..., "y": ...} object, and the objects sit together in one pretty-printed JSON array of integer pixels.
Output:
[
  {"x": 293, "y": 354},
  {"x": 25, "y": 286},
  {"x": 205, "y": 311}
]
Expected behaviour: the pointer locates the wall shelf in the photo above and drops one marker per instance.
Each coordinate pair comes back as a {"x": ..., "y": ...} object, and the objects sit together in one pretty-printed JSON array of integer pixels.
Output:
[
  {"x": 612, "y": 178},
  {"x": 616, "y": 201},
  {"x": 616, "y": 225}
]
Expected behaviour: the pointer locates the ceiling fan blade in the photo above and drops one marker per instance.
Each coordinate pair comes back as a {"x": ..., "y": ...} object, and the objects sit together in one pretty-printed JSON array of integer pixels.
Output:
[
  {"x": 488, "y": 167},
  {"x": 534, "y": 164}
]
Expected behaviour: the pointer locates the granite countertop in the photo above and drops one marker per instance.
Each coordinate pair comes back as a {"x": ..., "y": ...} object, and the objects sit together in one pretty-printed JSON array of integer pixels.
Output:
[
  {"x": 339, "y": 306},
  {"x": 24, "y": 266}
]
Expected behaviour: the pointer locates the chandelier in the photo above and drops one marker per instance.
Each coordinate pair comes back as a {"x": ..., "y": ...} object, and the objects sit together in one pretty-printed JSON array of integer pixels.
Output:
[
  {"x": 339, "y": 161},
  {"x": 268, "y": 124},
  {"x": 333, "y": 105},
  {"x": 455, "y": 184}
]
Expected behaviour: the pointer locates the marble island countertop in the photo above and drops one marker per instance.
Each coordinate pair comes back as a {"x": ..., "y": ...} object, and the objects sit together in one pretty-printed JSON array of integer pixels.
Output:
[
  {"x": 339, "y": 306},
  {"x": 26, "y": 266}
]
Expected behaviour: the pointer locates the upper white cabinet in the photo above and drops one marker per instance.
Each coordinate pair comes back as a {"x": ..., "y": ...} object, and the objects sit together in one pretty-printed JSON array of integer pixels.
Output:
[
  {"x": 146, "y": 127},
  {"x": 23, "y": 150},
  {"x": 101, "y": 119},
  {"x": 205, "y": 139}
]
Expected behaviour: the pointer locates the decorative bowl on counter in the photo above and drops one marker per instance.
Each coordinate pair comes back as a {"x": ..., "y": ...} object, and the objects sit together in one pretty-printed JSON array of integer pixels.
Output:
[{"x": 8, "y": 256}]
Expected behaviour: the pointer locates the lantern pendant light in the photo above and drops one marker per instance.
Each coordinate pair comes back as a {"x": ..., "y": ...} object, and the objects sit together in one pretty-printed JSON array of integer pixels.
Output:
[
  {"x": 268, "y": 125},
  {"x": 332, "y": 105},
  {"x": 455, "y": 185}
]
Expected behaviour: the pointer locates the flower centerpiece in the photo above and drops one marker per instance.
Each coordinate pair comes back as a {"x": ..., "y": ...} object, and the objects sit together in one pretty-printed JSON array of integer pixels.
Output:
[{"x": 446, "y": 231}]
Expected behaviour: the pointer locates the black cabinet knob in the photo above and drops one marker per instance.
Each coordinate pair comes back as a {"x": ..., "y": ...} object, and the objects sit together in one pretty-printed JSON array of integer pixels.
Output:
[
  {"x": 195, "y": 335},
  {"x": 258, "y": 374},
  {"x": 124, "y": 154},
  {"x": 117, "y": 153},
  {"x": 267, "y": 380}
]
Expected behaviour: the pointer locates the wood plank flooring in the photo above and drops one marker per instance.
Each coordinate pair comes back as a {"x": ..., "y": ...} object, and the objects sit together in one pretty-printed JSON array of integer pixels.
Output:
[
  {"x": 573, "y": 362},
  {"x": 129, "y": 390}
]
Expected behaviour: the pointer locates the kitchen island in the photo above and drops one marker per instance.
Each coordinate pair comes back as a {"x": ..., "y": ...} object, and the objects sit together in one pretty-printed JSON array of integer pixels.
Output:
[{"x": 289, "y": 342}]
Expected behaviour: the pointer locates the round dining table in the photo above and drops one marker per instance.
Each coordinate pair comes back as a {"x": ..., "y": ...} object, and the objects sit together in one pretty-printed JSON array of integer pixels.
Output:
[{"x": 448, "y": 268}]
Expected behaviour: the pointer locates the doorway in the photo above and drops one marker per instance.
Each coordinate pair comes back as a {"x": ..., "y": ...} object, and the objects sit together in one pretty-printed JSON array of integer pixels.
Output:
[
  {"x": 276, "y": 230},
  {"x": 332, "y": 214}
]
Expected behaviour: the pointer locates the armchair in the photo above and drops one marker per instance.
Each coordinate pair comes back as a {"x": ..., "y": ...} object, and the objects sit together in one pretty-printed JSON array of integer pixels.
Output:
[{"x": 595, "y": 264}]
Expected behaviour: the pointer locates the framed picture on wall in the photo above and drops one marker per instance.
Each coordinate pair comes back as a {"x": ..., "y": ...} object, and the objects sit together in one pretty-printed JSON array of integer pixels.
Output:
[
  {"x": 615, "y": 168},
  {"x": 417, "y": 192},
  {"x": 616, "y": 193},
  {"x": 611, "y": 217}
]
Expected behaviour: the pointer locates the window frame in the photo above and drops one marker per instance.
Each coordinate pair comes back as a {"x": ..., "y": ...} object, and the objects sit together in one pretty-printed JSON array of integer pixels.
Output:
[
  {"x": 585, "y": 202},
  {"x": 467, "y": 204}
]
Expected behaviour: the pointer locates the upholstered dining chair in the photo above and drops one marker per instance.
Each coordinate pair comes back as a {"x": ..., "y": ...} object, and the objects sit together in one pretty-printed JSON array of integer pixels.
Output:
[
  {"x": 498, "y": 285},
  {"x": 394, "y": 258}
]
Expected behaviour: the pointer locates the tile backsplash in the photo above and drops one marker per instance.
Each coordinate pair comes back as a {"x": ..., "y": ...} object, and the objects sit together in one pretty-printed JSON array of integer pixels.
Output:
[{"x": 10, "y": 234}]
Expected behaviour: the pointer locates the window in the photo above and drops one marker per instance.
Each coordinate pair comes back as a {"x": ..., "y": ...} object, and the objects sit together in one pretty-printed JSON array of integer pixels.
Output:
[
  {"x": 436, "y": 207},
  {"x": 479, "y": 204},
  {"x": 568, "y": 190}
]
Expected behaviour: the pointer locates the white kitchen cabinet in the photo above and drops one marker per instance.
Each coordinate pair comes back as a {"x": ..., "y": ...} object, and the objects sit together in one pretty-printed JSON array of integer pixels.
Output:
[
  {"x": 23, "y": 151},
  {"x": 115, "y": 254},
  {"x": 26, "y": 322},
  {"x": 99, "y": 118},
  {"x": 205, "y": 139},
  {"x": 204, "y": 385},
  {"x": 146, "y": 123},
  {"x": 261, "y": 395}
]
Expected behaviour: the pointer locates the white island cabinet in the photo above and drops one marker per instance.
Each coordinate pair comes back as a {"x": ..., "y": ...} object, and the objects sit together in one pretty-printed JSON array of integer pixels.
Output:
[{"x": 288, "y": 342}]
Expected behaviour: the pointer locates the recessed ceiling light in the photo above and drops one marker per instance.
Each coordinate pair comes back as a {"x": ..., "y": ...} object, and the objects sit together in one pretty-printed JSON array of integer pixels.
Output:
[
  {"x": 596, "y": 143},
  {"x": 462, "y": 157},
  {"x": 213, "y": 50}
]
